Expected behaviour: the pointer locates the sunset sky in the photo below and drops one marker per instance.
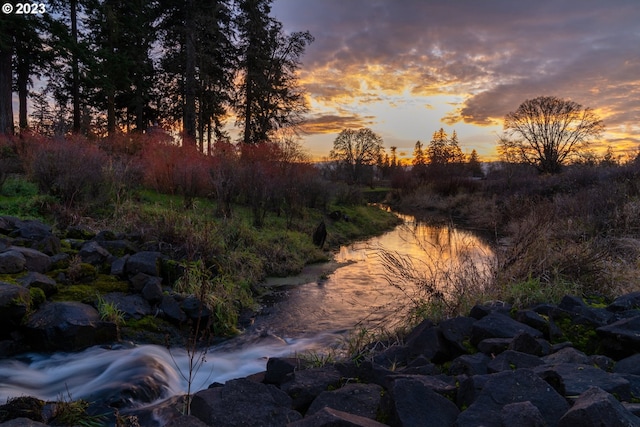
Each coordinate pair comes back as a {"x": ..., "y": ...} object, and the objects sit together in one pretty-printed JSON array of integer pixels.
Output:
[{"x": 406, "y": 68}]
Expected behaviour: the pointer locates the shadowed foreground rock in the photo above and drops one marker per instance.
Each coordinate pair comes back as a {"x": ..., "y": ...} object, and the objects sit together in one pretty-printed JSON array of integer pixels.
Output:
[
  {"x": 535, "y": 372},
  {"x": 438, "y": 378}
]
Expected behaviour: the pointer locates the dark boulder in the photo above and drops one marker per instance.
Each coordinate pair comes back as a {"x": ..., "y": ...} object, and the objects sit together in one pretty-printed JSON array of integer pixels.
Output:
[
  {"x": 625, "y": 302},
  {"x": 24, "y": 407},
  {"x": 49, "y": 245},
  {"x": 522, "y": 414},
  {"x": 244, "y": 403},
  {"x": 304, "y": 386},
  {"x": 8, "y": 223},
  {"x": 493, "y": 346},
  {"x": 392, "y": 356},
  {"x": 595, "y": 408},
  {"x": 426, "y": 339},
  {"x": 566, "y": 355},
  {"x": 279, "y": 367},
  {"x": 531, "y": 318},
  {"x": 629, "y": 365},
  {"x": 497, "y": 325},
  {"x": 328, "y": 417},
  {"x": 441, "y": 384},
  {"x": 510, "y": 360},
  {"x": 479, "y": 311},
  {"x": 578, "y": 378},
  {"x": 415, "y": 404},
  {"x": 133, "y": 306},
  {"x": 525, "y": 343},
  {"x": 195, "y": 309},
  {"x": 79, "y": 232},
  {"x": 14, "y": 304},
  {"x": 457, "y": 332},
  {"x": 93, "y": 253},
  {"x": 363, "y": 400},
  {"x": 12, "y": 262},
  {"x": 185, "y": 421},
  {"x": 152, "y": 290},
  {"x": 147, "y": 262},
  {"x": 30, "y": 229},
  {"x": 118, "y": 248},
  {"x": 118, "y": 266},
  {"x": 171, "y": 309},
  {"x": 39, "y": 280},
  {"x": 67, "y": 326},
  {"x": 620, "y": 339},
  {"x": 34, "y": 259},
  {"x": 470, "y": 364},
  {"x": 509, "y": 387}
]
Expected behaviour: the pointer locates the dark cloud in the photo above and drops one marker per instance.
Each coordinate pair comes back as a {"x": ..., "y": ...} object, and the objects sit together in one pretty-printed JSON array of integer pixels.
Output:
[
  {"x": 494, "y": 54},
  {"x": 330, "y": 123}
]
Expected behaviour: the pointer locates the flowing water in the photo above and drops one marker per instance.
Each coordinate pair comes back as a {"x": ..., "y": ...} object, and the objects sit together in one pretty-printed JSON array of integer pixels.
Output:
[{"x": 311, "y": 313}]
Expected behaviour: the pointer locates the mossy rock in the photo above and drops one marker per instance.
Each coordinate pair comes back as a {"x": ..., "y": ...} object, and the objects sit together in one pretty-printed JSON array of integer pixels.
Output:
[
  {"x": 22, "y": 407},
  {"x": 86, "y": 292},
  {"x": 11, "y": 278},
  {"x": 152, "y": 330},
  {"x": 37, "y": 297},
  {"x": 583, "y": 337},
  {"x": 83, "y": 292},
  {"x": 105, "y": 284}
]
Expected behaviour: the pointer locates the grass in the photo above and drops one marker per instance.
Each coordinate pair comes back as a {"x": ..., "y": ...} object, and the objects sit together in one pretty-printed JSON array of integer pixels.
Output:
[
  {"x": 109, "y": 311},
  {"x": 20, "y": 198}
]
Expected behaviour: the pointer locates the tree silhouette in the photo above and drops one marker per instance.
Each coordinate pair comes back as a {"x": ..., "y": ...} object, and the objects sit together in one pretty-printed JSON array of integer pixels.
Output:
[
  {"x": 547, "y": 130},
  {"x": 356, "y": 149},
  {"x": 269, "y": 97},
  {"x": 443, "y": 150}
]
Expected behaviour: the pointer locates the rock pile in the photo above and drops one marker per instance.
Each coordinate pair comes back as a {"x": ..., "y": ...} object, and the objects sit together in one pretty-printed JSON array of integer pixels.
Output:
[
  {"x": 496, "y": 367},
  {"x": 36, "y": 265}
]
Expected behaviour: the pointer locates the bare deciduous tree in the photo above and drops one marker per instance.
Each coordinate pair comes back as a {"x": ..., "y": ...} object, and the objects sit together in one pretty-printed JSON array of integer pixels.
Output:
[
  {"x": 356, "y": 149},
  {"x": 546, "y": 131}
]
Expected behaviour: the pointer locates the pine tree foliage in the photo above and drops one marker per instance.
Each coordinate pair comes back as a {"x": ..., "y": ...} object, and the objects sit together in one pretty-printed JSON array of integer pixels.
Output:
[{"x": 119, "y": 66}]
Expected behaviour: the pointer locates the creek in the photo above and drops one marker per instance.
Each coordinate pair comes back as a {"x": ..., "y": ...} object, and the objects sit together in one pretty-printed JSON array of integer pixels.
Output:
[{"x": 313, "y": 313}]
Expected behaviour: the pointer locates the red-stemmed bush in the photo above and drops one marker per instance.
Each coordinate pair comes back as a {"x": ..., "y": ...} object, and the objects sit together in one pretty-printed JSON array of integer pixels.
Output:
[
  {"x": 68, "y": 168},
  {"x": 176, "y": 169}
]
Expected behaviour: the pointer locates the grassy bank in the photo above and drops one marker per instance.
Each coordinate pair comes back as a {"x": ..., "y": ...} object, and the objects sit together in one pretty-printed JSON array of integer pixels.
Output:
[{"x": 231, "y": 255}]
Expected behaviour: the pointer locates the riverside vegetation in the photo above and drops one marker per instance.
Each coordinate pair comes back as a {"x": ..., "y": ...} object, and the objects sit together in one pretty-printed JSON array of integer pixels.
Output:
[
  {"x": 574, "y": 233},
  {"x": 236, "y": 217}
]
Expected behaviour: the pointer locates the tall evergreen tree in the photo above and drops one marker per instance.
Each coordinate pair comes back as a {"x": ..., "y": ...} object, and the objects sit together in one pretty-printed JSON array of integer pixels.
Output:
[
  {"x": 269, "y": 97},
  {"x": 121, "y": 70},
  {"x": 198, "y": 64},
  {"x": 8, "y": 27},
  {"x": 67, "y": 43},
  {"x": 418, "y": 155},
  {"x": 30, "y": 60},
  {"x": 443, "y": 150}
]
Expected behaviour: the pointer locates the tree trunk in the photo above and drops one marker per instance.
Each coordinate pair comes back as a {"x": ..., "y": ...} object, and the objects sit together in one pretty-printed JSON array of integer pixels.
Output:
[
  {"x": 75, "y": 67},
  {"x": 111, "y": 112},
  {"x": 23, "y": 92},
  {"x": 6, "y": 107},
  {"x": 190, "y": 76}
]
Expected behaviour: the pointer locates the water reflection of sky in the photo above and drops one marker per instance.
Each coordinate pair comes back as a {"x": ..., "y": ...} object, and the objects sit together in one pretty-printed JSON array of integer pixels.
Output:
[{"x": 357, "y": 294}]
